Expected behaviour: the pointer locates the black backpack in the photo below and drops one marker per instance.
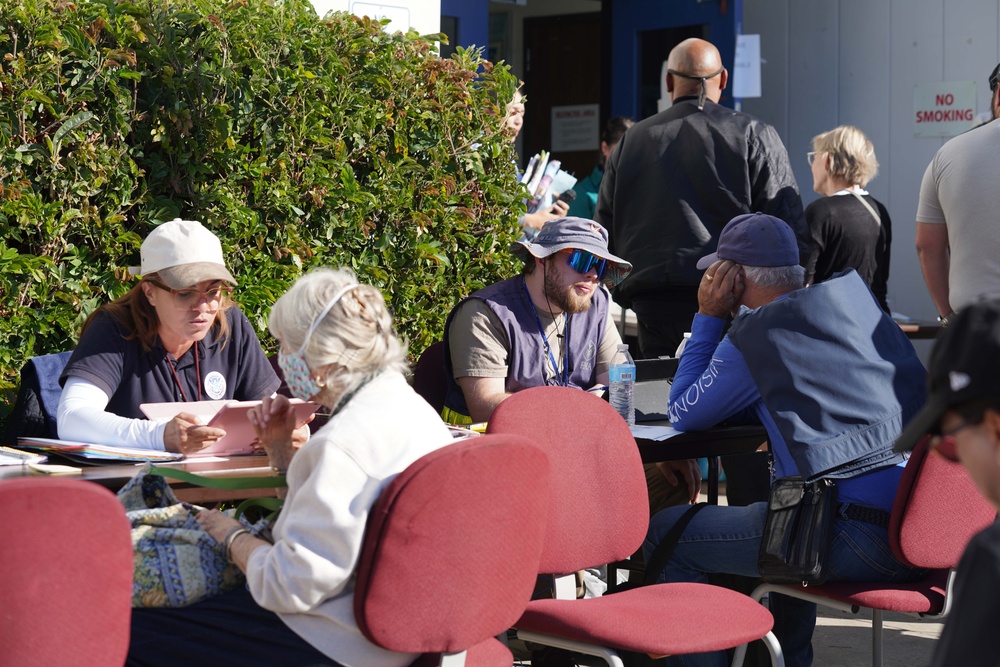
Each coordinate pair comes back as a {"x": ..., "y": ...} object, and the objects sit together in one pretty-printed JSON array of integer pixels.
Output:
[{"x": 34, "y": 412}]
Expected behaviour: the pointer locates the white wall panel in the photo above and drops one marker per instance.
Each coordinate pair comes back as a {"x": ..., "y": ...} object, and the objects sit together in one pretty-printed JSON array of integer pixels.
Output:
[
  {"x": 916, "y": 56},
  {"x": 970, "y": 44},
  {"x": 770, "y": 21},
  {"x": 812, "y": 84},
  {"x": 864, "y": 78},
  {"x": 833, "y": 62}
]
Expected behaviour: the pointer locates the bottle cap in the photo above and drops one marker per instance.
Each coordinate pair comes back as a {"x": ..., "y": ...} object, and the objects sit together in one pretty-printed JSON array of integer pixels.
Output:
[{"x": 623, "y": 347}]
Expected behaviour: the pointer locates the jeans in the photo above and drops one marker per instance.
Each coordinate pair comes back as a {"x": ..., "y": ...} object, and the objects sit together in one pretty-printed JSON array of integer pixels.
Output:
[
  {"x": 227, "y": 630},
  {"x": 723, "y": 539}
]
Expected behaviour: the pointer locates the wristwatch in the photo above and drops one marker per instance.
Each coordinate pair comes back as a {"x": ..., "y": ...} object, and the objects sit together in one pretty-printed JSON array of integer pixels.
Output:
[{"x": 943, "y": 320}]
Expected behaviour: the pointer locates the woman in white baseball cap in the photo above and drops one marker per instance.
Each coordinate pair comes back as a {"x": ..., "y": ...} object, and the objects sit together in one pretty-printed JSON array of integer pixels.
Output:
[{"x": 176, "y": 336}]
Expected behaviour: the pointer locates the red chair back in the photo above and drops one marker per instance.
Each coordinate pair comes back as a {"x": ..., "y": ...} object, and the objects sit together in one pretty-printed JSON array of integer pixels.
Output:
[
  {"x": 65, "y": 574},
  {"x": 936, "y": 512},
  {"x": 451, "y": 548},
  {"x": 599, "y": 511}
]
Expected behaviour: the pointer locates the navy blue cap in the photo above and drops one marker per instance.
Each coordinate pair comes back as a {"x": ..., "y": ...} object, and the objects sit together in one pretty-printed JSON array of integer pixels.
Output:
[{"x": 755, "y": 239}]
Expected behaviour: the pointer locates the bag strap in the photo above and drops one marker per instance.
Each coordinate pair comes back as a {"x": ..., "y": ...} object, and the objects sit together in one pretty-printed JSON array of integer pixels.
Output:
[
  {"x": 227, "y": 483},
  {"x": 878, "y": 218},
  {"x": 665, "y": 549},
  {"x": 271, "y": 505}
]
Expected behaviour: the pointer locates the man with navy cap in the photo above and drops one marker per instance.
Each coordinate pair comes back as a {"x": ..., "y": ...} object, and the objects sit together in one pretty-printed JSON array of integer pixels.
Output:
[
  {"x": 831, "y": 378},
  {"x": 963, "y": 406}
]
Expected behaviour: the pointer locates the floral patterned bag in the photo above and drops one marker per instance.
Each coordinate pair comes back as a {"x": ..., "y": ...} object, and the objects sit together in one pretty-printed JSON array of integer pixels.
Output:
[{"x": 176, "y": 563}]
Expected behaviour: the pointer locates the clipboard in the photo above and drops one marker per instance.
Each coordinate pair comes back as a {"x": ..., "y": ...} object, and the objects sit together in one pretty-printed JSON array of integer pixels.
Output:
[{"x": 230, "y": 416}]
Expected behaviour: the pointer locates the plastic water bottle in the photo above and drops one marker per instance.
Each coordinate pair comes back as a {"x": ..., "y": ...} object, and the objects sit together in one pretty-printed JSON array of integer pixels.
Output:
[{"x": 623, "y": 384}]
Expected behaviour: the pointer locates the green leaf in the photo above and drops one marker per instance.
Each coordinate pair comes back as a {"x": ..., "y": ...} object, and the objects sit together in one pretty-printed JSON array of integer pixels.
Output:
[{"x": 71, "y": 124}]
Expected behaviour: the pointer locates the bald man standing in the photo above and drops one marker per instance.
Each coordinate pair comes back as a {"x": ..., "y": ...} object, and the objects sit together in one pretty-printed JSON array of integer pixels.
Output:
[{"x": 675, "y": 180}]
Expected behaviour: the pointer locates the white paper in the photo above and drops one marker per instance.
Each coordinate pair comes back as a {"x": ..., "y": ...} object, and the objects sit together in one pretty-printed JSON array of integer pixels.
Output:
[
  {"x": 746, "y": 69},
  {"x": 576, "y": 127},
  {"x": 653, "y": 432}
]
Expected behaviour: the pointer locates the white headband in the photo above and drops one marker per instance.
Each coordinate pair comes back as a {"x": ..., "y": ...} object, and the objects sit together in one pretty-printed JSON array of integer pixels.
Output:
[{"x": 331, "y": 304}]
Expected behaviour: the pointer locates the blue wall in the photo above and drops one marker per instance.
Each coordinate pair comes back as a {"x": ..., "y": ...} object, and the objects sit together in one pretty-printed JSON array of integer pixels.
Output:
[
  {"x": 630, "y": 17},
  {"x": 473, "y": 21}
]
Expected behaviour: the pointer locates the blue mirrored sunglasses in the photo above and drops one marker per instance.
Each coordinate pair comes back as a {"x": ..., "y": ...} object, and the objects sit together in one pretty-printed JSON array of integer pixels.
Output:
[{"x": 582, "y": 261}]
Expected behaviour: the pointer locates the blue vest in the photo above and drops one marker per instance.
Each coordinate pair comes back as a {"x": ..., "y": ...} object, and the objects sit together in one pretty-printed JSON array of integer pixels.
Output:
[
  {"x": 838, "y": 376},
  {"x": 526, "y": 355}
]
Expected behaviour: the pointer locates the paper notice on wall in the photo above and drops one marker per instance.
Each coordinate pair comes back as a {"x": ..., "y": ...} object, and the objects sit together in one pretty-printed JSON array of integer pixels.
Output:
[
  {"x": 576, "y": 128},
  {"x": 746, "y": 69}
]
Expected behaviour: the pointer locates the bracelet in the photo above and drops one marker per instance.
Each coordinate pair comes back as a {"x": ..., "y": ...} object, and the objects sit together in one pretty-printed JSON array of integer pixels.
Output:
[{"x": 230, "y": 539}]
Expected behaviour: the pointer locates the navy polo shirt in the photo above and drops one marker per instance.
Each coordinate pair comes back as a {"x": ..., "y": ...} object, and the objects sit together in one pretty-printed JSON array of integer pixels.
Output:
[{"x": 131, "y": 376}]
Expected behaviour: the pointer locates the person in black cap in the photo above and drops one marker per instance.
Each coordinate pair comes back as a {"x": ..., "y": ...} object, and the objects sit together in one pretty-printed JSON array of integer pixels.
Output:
[
  {"x": 832, "y": 379},
  {"x": 673, "y": 182},
  {"x": 963, "y": 404}
]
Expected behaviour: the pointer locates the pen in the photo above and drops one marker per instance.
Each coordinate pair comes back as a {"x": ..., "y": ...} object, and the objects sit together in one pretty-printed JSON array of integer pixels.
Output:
[{"x": 598, "y": 389}]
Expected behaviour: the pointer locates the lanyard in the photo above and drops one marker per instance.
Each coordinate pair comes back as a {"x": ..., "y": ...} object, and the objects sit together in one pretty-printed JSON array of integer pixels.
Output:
[
  {"x": 564, "y": 380},
  {"x": 177, "y": 380}
]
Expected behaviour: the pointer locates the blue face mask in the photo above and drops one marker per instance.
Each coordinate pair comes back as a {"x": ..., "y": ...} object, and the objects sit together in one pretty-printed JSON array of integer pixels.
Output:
[{"x": 298, "y": 377}]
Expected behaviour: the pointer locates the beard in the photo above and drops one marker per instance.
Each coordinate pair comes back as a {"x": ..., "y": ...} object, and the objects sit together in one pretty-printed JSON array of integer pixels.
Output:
[{"x": 564, "y": 298}]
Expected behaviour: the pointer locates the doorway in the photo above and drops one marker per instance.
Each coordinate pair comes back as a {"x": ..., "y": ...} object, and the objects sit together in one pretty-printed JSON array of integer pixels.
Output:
[
  {"x": 562, "y": 64},
  {"x": 654, "y": 47}
]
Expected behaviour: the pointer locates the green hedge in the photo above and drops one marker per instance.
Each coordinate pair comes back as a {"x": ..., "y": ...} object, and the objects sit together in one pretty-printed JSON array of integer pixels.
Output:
[{"x": 300, "y": 141}]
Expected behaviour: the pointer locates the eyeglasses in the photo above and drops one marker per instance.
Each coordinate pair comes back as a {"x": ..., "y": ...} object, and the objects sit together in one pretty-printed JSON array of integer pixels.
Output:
[
  {"x": 189, "y": 298},
  {"x": 810, "y": 156},
  {"x": 945, "y": 442},
  {"x": 582, "y": 261}
]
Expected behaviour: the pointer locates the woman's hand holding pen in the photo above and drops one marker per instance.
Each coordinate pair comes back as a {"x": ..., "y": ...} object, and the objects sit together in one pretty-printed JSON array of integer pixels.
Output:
[{"x": 186, "y": 434}]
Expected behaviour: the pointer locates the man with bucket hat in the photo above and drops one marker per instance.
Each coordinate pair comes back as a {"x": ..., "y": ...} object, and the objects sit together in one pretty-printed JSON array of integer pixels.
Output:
[
  {"x": 831, "y": 378},
  {"x": 550, "y": 325},
  {"x": 963, "y": 407}
]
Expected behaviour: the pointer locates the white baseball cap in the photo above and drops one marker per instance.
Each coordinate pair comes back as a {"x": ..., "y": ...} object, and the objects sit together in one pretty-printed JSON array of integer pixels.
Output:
[{"x": 182, "y": 253}]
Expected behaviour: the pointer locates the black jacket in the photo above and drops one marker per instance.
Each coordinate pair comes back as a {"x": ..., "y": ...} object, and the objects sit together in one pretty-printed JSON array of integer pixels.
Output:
[{"x": 674, "y": 181}]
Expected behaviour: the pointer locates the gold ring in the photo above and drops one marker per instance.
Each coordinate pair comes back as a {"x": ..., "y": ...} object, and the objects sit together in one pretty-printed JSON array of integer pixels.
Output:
[{"x": 709, "y": 277}]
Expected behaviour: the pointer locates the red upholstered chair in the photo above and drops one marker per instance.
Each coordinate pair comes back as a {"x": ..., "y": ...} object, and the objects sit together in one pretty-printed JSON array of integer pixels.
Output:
[
  {"x": 599, "y": 514},
  {"x": 451, "y": 551},
  {"x": 936, "y": 512},
  {"x": 429, "y": 375},
  {"x": 65, "y": 574}
]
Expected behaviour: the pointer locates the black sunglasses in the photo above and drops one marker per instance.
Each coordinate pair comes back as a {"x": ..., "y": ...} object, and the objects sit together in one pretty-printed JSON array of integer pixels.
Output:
[{"x": 994, "y": 79}]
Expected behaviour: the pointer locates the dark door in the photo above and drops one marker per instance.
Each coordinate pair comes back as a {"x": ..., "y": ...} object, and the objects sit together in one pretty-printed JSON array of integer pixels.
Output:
[
  {"x": 654, "y": 47},
  {"x": 562, "y": 56}
]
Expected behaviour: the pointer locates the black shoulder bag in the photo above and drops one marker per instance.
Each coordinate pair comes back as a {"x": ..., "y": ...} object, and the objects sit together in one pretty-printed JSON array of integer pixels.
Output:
[{"x": 795, "y": 546}]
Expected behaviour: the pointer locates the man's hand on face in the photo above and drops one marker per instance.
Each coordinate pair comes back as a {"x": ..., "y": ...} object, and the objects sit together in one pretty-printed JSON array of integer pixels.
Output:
[{"x": 721, "y": 288}]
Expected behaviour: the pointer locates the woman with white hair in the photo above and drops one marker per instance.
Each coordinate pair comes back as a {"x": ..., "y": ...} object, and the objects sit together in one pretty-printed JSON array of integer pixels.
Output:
[
  {"x": 850, "y": 229},
  {"x": 338, "y": 349}
]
